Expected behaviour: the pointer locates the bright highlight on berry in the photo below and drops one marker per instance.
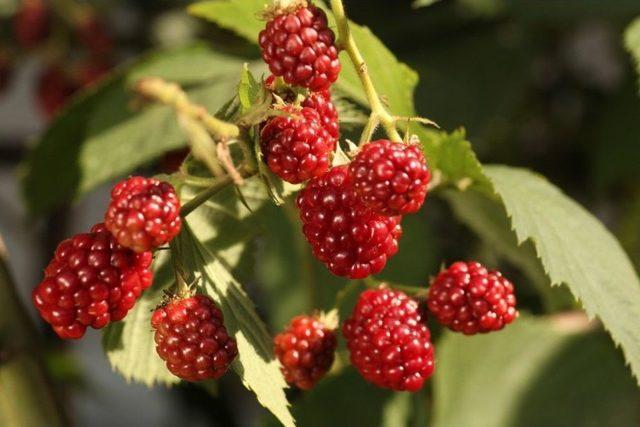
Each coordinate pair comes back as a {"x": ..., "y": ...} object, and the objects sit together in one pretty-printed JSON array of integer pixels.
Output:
[
  {"x": 388, "y": 340},
  {"x": 300, "y": 47},
  {"x": 191, "y": 338},
  {"x": 91, "y": 281},
  {"x": 468, "y": 298},
  {"x": 351, "y": 239},
  {"x": 306, "y": 350},
  {"x": 144, "y": 213}
]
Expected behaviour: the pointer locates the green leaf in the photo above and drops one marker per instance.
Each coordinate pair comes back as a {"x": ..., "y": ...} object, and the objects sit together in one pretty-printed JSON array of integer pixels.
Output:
[
  {"x": 255, "y": 364},
  {"x": 632, "y": 41},
  {"x": 423, "y": 3},
  {"x": 575, "y": 249},
  {"x": 551, "y": 372},
  {"x": 393, "y": 80},
  {"x": 100, "y": 136}
]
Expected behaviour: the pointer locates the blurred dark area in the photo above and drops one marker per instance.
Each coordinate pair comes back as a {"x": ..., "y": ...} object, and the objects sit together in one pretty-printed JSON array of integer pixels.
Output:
[{"x": 545, "y": 85}]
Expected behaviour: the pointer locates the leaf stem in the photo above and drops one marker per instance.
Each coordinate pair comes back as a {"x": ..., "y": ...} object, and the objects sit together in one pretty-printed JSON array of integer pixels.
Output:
[{"x": 347, "y": 42}]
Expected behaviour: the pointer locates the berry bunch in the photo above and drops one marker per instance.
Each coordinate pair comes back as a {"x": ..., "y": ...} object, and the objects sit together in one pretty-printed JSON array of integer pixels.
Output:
[
  {"x": 306, "y": 351},
  {"x": 468, "y": 298},
  {"x": 191, "y": 338}
]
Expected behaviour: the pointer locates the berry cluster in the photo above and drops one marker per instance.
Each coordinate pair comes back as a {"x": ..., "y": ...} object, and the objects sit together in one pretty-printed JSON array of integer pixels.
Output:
[
  {"x": 89, "y": 60},
  {"x": 468, "y": 298},
  {"x": 191, "y": 338}
]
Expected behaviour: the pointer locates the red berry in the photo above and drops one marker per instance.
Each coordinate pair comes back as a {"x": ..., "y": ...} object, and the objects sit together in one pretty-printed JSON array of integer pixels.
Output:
[
  {"x": 306, "y": 351},
  {"x": 5, "y": 71},
  {"x": 191, "y": 338},
  {"x": 319, "y": 101},
  {"x": 388, "y": 340},
  {"x": 31, "y": 23},
  {"x": 300, "y": 47},
  {"x": 390, "y": 177},
  {"x": 91, "y": 281},
  {"x": 296, "y": 146},
  {"x": 91, "y": 71},
  {"x": 144, "y": 213},
  {"x": 93, "y": 35},
  {"x": 469, "y": 299},
  {"x": 55, "y": 87},
  {"x": 351, "y": 239}
]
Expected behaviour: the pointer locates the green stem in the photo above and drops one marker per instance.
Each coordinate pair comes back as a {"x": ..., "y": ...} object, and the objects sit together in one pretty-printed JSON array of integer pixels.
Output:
[{"x": 346, "y": 41}]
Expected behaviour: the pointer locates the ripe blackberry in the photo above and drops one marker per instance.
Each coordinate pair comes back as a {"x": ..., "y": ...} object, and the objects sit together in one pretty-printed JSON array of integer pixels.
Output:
[
  {"x": 55, "y": 87},
  {"x": 306, "y": 351},
  {"x": 31, "y": 23},
  {"x": 296, "y": 147},
  {"x": 469, "y": 299},
  {"x": 144, "y": 213},
  {"x": 319, "y": 101},
  {"x": 351, "y": 239},
  {"x": 298, "y": 45},
  {"x": 388, "y": 341},
  {"x": 191, "y": 338},
  {"x": 390, "y": 177},
  {"x": 91, "y": 281}
]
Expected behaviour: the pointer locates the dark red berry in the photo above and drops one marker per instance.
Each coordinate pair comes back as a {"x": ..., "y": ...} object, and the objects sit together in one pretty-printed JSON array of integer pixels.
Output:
[
  {"x": 170, "y": 162},
  {"x": 91, "y": 71},
  {"x": 390, "y": 177},
  {"x": 306, "y": 350},
  {"x": 31, "y": 23},
  {"x": 91, "y": 281},
  {"x": 388, "y": 341},
  {"x": 351, "y": 239},
  {"x": 319, "y": 101},
  {"x": 93, "y": 35},
  {"x": 191, "y": 338},
  {"x": 296, "y": 146},
  {"x": 55, "y": 87},
  {"x": 469, "y": 299},
  {"x": 300, "y": 47},
  {"x": 144, "y": 213}
]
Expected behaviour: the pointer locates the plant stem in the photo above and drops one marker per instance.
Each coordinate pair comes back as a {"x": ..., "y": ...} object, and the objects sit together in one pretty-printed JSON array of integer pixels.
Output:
[{"x": 346, "y": 41}]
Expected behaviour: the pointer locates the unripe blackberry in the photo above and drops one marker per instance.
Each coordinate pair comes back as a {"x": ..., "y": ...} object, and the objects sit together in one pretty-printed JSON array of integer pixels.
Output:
[
  {"x": 91, "y": 281},
  {"x": 306, "y": 349},
  {"x": 31, "y": 23},
  {"x": 351, "y": 239},
  {"x": 390, "y": 177},
  {"x": 469, "y": 299},
  {"x": 144, "y": 213},
  {"x": 299, "y": 46},
  {"x": 191, "y": 338},
  {"x": 296, "y": 146},
  {"x": 388, "y": 341}
]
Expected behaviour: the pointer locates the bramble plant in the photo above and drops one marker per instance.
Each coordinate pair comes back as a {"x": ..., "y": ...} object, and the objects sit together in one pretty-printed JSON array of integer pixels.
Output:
[{"x": 272, "y": 149}]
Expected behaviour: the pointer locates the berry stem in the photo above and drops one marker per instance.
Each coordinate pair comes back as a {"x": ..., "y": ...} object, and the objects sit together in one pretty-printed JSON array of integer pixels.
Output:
[{"x": 347, "y": 42}]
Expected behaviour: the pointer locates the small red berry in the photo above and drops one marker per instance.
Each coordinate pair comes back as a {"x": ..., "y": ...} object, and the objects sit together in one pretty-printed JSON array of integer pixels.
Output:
[
  {"x": 306, "y": 350},
  {"x": 300, "y": 47},
  {"x": 91, "y": 281},
  {"x": 144, "y": 213},
  {"x": 55, "y": 87},
  {"x": 297, "y": 147},
  {"x": 469, "y": 299},
  {"x": 31, "y": 23},
  {"x": 390, "y": 177},
  {"x": 191, "y": 338},
  {"x": 388, "y": 341},
  {"x": 93, "y": 35},
  {"x": 351, "y": 239}
]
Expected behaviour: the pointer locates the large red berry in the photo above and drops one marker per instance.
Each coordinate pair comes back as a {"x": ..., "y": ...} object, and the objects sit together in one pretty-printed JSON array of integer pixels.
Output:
[
  {"x": 300, "y": 47},
  {"x": 144, "y": 213},
  {"x": 390, "y": 177},
  {"x": 91, "y": 281},
  {"x": 306, "y": 351},
  {"x": 296, "y": 146},
  {"x": 191, "y": 338},
  {"x": 31, "y": 23},
  {"x": 351, "y": 239},
  {"x": 469, "y": 299},
  {"x": 55, "y": 87},
  {"x": 388, "y": 341}
]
